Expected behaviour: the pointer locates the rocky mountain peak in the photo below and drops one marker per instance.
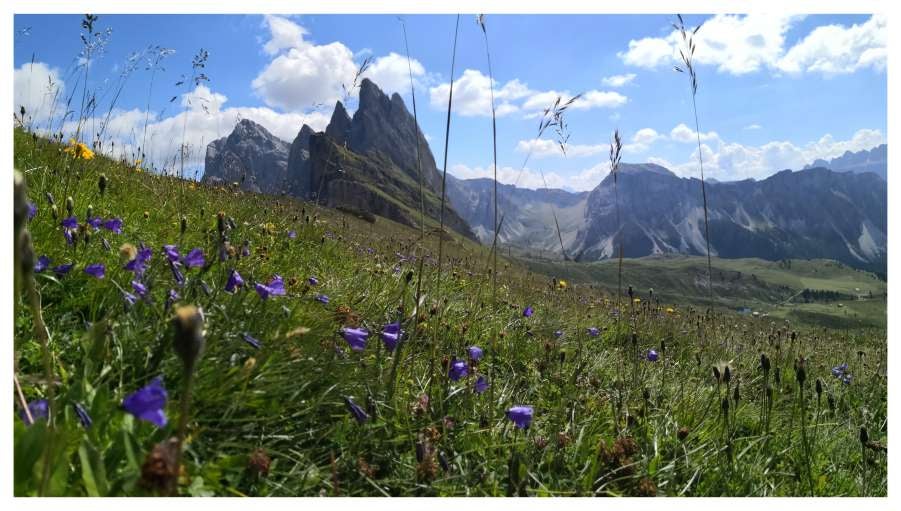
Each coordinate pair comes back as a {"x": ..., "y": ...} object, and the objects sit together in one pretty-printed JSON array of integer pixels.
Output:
[{"x": 339, "y": 125}]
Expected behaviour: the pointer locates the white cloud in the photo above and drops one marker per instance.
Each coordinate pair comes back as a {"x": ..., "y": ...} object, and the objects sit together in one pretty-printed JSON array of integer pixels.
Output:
[
  {"x": 542, "y": 148},
  {"x": 303, "y": 74},
  {"x": 618, "y": 80},
  {"x": 683, "y": 133},
  {"x": 472, "y": 97},
  {"x": 754, "y": 126},
  {"x": 642, "y": 140},
  {"x": 732, "y": 161},
  {"x": 202, "y": 121},
  {"x": 741, "y": 44},
  {"x": 586, "y": 179},
  {"x": 392, "y": 74},
  {"x": 835, "y": 49},
  {"x": 38, "y": 88}
]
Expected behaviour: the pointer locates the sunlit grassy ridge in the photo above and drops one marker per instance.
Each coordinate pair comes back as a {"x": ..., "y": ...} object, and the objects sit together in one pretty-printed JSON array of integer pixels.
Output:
[
  {"x": 769, "y": 287},
  {"x": 273, "y": 421}
]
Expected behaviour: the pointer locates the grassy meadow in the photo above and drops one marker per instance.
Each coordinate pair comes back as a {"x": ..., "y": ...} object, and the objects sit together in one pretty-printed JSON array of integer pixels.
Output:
[{"x": 272, "y": 392}]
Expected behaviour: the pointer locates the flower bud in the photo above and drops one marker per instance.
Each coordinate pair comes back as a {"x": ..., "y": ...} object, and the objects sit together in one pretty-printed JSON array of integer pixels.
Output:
[
  {"x": 189, "y": 333},
  {"x": 90, "y": 211},
  {"x": 70, "y": 205},
  {"x": 184, "y": 224},
  {"x": 101, "y": 184}
]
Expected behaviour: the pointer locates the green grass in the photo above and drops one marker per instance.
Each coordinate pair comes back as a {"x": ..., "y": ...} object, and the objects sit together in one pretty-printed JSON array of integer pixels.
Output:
[
  {"x": 771, "y": 288},
  {"x": 605, "y": 423}
]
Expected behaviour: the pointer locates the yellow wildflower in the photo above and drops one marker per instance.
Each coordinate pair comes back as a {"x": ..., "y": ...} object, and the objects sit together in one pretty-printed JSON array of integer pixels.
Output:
[
  {"x": 561, "y": 284},
  {"x": 79, "y": 150}
]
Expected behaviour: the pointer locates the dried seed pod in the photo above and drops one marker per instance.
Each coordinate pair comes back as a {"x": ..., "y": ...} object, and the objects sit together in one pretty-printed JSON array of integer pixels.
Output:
[{"x": 101, "y": 184}]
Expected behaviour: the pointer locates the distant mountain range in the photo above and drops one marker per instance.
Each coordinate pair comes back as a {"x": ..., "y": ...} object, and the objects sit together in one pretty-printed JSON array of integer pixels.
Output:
[
  {"x": 874, "y": 160},
  {"x": 369, "y": 163},
  {"x": 814, "y": 213}
]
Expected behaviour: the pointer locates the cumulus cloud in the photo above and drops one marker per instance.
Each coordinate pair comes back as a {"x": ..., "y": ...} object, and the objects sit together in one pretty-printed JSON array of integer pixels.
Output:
[
  {"x": 583, "y": 180},
  {"x": 202, "y": 121},
  {"x": 618, "y": 80},
  {"x": 741, "y": 44},
  {"x": 642, "y": 140},
  {"x": 836, "y": 49},
  {"x": 472, "y": 97},
  {"x": 38, "y": 88},
  {"x": 303, "y": 74},
  {"x": 728, "y": 161},
  {"x": 392, "y": 74},
  {"x": 542, "y": 148},
  {"x": 682, "y": 133}
]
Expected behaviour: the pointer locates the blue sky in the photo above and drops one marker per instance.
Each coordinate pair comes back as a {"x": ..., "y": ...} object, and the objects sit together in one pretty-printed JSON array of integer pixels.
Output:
[{"x": 775, "y": 92}]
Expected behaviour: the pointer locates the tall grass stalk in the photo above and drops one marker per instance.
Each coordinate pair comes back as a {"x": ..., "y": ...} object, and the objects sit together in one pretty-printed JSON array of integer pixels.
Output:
[
  {"x": 481, "y": 22},
  {"x": 419, "y": 248},
  {"x": 616, "y": 153},
  {"x": 686, "y": 53},
  {"x": 450, "y": 102}
]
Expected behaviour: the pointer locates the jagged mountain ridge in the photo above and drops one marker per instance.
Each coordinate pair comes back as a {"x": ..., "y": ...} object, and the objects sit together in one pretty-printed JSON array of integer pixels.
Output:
[{"x": 369, "y": 162}]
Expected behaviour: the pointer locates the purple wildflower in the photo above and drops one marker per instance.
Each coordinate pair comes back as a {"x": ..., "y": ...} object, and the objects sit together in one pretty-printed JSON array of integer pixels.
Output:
[
  {"x": 250, "y": 340},
  {"x": 313, "y": 281},
  {"x": 652, "y": 355},
  {"x": 171, "y": 252},
  {"x": 359, "y": 414},
  {"x": 176, "y": 273},
  {"x": 67, "y": 233},
  {"x": 171, "y": 297},
  {"x": 234, "y": 281},
  {"x": 391, "y": 333},
  {"x": 521, "y": 416},
  {"x": 275, "y": 287},
  {"x": 83, "y": 416},
  {"x": 558, "y": 334},
  {"x": 42, "y": 264},
  {"x": 95, "y": 222},
  {"x": 32, "y": 210},
  {"x": 356, "y": 337},
  {"x": 528, "y": 311},
  {"x": 292, "y": 234},
  {"x": 147, "y": 403},
  {"x": 458, "y": 369},
  {"x": 69, "y": 223},
  {"x": 593, "y": 331},
  {"x": 39, "y": 409},
  {"x": 194, "y": 258},
  {"x": 62, "y": 269},
  {"x": 139, "y": 264},
  {"x": 322, "y": 298},
  {"x": 114, "y": 225},
  {"x": 475, "y": 353},
  {"x": 96, "y": 270},
  {"x": 129, "y": 298},
  {"x": 481, "y": 385},
  {"x": 139, "y": 288}
]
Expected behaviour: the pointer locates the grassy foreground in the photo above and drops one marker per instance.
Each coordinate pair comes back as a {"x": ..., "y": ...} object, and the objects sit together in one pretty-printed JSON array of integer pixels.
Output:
[{"x": 701, "y": 414}]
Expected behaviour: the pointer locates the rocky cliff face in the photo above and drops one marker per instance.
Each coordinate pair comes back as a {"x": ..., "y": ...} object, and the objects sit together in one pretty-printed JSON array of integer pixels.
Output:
[
  {"x": 369, "y": 162},
  {"x": 384, "y": 125},
  {"x": 373, "y": 182},
  {"x": 250, "y": 156},
  {"x": 299, "y": 163}
]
